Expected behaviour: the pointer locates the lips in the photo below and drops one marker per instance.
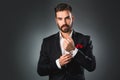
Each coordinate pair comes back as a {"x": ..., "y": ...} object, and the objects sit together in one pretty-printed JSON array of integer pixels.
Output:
[{"x": 65, "y": 26}]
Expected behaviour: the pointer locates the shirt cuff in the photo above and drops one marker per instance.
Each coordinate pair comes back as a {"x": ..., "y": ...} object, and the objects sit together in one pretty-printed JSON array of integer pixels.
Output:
[
  {"x": 74, "y": 52},
  {"x": 58, "y": 64}
]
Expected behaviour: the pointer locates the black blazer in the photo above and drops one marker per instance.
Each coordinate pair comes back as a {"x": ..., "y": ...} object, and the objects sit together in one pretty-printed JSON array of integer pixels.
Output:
[{"x": 51, "y": 51}]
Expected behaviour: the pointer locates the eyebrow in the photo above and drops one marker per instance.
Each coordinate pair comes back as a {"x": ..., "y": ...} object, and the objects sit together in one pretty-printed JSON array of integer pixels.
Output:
[
  {"x": 65, "y": 17},
  {"x": 59, "y": 18}
]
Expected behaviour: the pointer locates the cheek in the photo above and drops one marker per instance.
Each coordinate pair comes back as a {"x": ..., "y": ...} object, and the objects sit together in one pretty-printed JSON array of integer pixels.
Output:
[
  {"x": 69, "y": 22},
  {"x": 59, "y": 23}
]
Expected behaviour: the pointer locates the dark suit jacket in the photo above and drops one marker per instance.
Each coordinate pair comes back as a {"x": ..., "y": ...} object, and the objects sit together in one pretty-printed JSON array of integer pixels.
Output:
[{"x": 51, "y": 51}]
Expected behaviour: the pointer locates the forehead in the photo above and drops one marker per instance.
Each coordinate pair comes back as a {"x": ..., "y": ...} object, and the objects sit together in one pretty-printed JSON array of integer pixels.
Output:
[{"x": 64, "y": 13}]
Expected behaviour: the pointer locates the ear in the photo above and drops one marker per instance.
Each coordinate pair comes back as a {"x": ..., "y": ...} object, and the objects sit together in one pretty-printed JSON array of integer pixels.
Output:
[
  {"x": 55, "y": 19},
  {"x": 73, "y": 18}
]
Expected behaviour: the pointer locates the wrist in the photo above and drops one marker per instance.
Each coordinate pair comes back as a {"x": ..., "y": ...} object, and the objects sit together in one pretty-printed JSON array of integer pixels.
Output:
[{"x": 58, "y": 64}]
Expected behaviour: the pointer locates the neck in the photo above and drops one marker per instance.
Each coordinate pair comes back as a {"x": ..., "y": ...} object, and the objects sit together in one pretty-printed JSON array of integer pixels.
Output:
[{"x": 66, "y": 35}]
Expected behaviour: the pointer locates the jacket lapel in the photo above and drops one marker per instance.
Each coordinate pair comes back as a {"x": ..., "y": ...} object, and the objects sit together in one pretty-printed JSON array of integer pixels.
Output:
[
  {"x": 77, "y": 37},
  {"x": 57, "y": 45}
]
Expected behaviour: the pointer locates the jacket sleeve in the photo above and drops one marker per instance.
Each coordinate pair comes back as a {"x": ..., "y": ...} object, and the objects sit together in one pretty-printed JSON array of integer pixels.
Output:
[
  {"x": 85, "y": 57},
  {"x": 45, "y": 66}
]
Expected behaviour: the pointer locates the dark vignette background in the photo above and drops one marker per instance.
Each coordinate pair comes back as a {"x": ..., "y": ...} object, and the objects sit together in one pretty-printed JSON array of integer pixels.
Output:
[{"x": 25, "y": 23}]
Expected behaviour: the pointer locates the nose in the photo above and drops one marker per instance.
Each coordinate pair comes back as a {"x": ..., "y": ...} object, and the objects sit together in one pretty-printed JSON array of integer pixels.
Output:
[{"x": 64, "y": 21}]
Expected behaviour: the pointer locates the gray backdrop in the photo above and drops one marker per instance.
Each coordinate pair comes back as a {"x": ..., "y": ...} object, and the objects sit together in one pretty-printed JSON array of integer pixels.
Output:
[{"x": 25, "y": 23}]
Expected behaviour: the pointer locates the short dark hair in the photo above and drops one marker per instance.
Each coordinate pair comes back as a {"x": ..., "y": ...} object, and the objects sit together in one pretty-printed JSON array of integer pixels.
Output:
[{"x": 62, "y": 7}]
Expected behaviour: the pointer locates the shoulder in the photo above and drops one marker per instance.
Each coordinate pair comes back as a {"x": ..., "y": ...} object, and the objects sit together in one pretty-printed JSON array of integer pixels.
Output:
[
  {"x": 81, "y": 35},
  {"x": 51, "y": 37}
]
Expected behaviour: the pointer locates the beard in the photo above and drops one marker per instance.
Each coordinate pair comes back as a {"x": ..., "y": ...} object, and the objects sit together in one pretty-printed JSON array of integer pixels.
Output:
[{"x": 65, "y": 28}]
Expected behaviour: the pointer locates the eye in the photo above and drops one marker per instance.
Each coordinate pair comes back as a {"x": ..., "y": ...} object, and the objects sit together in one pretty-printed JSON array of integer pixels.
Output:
[
  {"x": 59, "y": 18},
  {"x": 68, "y": 17}
]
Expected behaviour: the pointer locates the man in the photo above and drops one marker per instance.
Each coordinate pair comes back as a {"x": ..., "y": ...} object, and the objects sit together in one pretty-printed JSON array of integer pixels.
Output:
[{"x": 66, "y": 54}]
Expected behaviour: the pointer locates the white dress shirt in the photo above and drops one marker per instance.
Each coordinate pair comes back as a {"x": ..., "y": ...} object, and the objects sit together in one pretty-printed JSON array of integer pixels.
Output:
[{"x": 73, "y": 52}]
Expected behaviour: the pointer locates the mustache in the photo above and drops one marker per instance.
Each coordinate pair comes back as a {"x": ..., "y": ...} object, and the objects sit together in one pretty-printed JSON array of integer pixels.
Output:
[{"x": 64, "y": 25}]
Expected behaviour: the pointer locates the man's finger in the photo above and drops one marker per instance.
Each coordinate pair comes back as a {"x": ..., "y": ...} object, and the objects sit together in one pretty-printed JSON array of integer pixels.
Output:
[
  {"x": 70, "y": 38},
  {"x": 66, "y": 41}
]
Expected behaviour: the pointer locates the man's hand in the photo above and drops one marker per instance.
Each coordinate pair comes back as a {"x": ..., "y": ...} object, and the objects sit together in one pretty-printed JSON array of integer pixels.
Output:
[
  {"x": 64, "y": 59},
  {"x": 69, "y": 44}
]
